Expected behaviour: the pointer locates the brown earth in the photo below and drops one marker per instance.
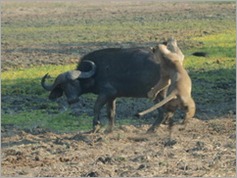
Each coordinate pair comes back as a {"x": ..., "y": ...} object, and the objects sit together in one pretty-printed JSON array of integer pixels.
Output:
[{"x": 205, "y": 148}]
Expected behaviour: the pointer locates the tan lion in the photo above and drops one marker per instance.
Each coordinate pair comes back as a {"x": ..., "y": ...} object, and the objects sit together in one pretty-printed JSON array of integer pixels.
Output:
[{"x": 175, "y": 81}]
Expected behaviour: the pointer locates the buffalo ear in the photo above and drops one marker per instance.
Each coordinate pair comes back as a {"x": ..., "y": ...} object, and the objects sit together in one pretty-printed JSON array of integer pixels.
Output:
[
  {"x": 56, "y": 93},
  {"x": 164, "y": 43},
  {"x": 153, "y": 49}
]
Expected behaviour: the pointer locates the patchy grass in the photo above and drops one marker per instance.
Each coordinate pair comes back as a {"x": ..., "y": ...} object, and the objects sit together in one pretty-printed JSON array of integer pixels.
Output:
[
  {"x": 63, "y": 30},
  {"x": 213, "y": 82},
  {"x": 27, "y": 81},
  {"x": 60, "y": 123},
  {"x": 36, "y": 35},
  {"x": 221, "y": 45},
  {"x": 214, "y": 76}
]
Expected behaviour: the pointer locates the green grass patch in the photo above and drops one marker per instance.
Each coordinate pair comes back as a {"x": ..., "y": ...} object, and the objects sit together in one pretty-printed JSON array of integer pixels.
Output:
[
  {"x": 62, "y": 122},
  {"x": 219, "y": 45},
  {"x": 214, "y": 76},
  {"x": 27, "y": 81}
]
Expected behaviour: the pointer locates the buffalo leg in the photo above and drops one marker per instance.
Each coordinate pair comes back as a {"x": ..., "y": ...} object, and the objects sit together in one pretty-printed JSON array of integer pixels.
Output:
[
  {"x": 170, "y": 121},
  {"x": 157, "y": 122},
  {"x": 163, "y": 117},
  {"x": 160, "y": 119},
  {"x": 111, "y": 109},
  {"x": 100, "y": 102}
]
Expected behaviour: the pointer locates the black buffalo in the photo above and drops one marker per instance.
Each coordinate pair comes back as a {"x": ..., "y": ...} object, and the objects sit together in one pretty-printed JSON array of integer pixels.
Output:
[{"x": 109, "y": 73}]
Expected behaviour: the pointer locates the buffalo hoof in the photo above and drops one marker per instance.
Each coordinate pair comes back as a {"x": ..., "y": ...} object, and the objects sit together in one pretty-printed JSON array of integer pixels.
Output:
[
  {"x": 151, "y": 130},
  {"x": 108, "y": 130},
  {"x": 96, "y": 128},
  {"x": 182, "y": 126},
  {"x": 169, "y": 142}
]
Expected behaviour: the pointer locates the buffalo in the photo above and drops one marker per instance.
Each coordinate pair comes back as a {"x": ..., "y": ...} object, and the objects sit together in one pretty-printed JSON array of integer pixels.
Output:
[{"x": 109, "y": 73}]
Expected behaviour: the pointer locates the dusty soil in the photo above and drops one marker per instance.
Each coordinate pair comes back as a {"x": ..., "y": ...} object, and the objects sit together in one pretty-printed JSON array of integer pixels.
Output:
[{"x": 205, "y": 148}]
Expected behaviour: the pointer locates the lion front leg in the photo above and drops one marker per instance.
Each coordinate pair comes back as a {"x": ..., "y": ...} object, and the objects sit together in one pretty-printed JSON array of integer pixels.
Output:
[{"x": 162, "y": 85}]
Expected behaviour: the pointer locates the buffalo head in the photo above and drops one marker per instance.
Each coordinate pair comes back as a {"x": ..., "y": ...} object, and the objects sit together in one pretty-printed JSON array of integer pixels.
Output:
[{"x": 68, "y": 83}]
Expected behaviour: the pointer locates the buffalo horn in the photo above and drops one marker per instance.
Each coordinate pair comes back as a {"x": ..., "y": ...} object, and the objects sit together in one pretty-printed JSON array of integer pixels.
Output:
[
  {"x": 60, "y": 79},
  {"x": 75, "y": 74},
  {"x": 70, "y": 75}
]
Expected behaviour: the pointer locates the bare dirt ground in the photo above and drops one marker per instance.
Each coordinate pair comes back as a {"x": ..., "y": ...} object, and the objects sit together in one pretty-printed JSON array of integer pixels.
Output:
[{"x": 207, "y": 147}]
